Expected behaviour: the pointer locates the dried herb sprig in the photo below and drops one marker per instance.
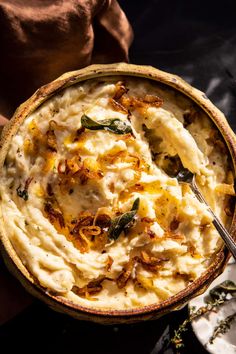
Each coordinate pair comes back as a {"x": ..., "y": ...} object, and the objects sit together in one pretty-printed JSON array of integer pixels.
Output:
[
  {"x": 218, "y": 296},
  {"x": 177, "y": 339},
  {"x": 222, "y": 327}
]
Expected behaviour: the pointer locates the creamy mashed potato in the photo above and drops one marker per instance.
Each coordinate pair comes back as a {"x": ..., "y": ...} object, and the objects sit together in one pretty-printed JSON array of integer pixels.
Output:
[{"x": 90, "y": 199}]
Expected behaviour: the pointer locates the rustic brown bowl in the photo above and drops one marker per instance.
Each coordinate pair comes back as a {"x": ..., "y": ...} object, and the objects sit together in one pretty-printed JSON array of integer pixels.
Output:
[{"x": 117, "y": 316}]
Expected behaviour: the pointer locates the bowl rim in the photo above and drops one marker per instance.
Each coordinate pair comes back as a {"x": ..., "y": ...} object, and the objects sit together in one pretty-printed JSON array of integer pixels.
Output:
[{"x": 44, "y": 93}]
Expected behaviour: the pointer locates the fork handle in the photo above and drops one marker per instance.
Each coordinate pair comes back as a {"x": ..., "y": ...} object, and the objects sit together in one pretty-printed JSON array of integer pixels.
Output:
[{"x": 228, "y": 239}]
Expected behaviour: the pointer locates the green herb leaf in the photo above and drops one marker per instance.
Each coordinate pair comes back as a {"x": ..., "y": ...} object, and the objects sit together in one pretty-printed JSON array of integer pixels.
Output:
[
  {"x": 228, "y": 285},
  {"x": 114, "y": 125},
  {"x": 220, "y": 291},
  {"x": 22, "y": 193},
  {"x": 122, "y": 221}
]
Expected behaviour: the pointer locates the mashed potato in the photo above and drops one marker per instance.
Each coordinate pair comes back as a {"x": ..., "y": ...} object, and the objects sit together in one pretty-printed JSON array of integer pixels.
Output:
[{"x": 90, "y": 199}]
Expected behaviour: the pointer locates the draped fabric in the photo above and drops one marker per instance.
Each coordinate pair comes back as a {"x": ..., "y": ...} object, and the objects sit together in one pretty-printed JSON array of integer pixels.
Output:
[{"x": 42, "y": 39}]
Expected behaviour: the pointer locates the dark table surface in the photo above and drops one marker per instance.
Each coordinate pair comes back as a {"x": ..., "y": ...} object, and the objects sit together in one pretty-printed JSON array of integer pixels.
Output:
[{"x": 196, "y": 40}]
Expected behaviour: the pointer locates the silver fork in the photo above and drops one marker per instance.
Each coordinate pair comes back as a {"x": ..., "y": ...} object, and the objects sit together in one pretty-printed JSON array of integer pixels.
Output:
[{"x": 188, "y": 177}]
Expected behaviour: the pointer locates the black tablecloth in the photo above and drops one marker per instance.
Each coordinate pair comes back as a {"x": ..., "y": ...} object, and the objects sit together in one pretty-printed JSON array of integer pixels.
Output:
[{"x": 196, "y": 40}]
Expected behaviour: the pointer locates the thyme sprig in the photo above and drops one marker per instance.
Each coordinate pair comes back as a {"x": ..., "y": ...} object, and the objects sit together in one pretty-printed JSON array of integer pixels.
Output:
[
  {"x": 222, "y": 327},
  {"x": 177, "y": 339},
  {"x": 218, "y": 296}
]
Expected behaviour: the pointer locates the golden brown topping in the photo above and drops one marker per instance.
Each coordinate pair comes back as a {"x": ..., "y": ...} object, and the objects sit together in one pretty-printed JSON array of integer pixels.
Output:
[
  {"x": 109, "y": 263},
  {"x": 151, "y": 263},
  {"x": 74, "y": 169},
  {"x": 90, "y": 170},
  {"x": 151, "y": 234},
  {"x": 29, "y": 147},
  {"x": 174, "y": 236},
  {"x": 85, "y": 218},
  {"x": 99, "y": 241},
  {"x": 111, "y": 158},
  {"x": 89, "y": 231},
  {"x": 51, "y": 137},
  {"x": 103, "y": 220},
  {"x": 70, "y": 167},
  {"x": 174, "y": 224},
  {"x": 134, "y": 159},
  {"x": 54, "y": 215},
  {"x": 87, "y": 174},
  {"x": 147, "y": 220},
  {"x": 87, "y": 235},
  {"x": 120, "y": 90},
  {"x": 117, "y": 106},
  {"x": 123, "y": 103},
  {"x": 191, "y": 249},
  {"x": 33, "y": 146},
  {"x": 80, "y": 240},
  {"x": 93, "y": 287},
  {"x": 131, "y": 103},
  {"x": 124, "y": 276}
]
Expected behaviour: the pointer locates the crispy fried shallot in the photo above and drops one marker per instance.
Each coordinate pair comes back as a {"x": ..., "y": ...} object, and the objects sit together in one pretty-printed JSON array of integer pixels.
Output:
[
  {"x": 174, "y": 224},
  {"x": 123, "y": 103},
  {"x": 151, "y": 263},
  {"x": 88, "y": 235},
  {"x": 54, "y": 215},
  {"x": 51, "y": 137},
  {"x": 90, "y": 231},
  {"x": 174, "y": 236},
  {"x": 74, "y": 169},
  {"x": 125, "y": 275},
  {"x": 69, "y": 167},
  {"x": 120, "y": 90},
  {"x": 147, "y": 101},
  {"x": 102, "y": 220},
  {"x": 86, "y": 174},
  {"x": 93, "y": 287},
  {"x": 85, "y": 218},
  {"x": 109, "y": 263}
]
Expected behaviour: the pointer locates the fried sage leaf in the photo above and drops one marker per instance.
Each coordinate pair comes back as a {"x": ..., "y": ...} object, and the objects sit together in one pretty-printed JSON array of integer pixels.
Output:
[
  {"x": 114, "y": 125},
  {"x": 121, "y": 222}
]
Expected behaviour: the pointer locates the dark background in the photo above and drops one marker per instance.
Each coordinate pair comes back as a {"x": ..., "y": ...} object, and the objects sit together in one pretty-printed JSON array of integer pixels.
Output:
[{"x": 196, "y": 40}]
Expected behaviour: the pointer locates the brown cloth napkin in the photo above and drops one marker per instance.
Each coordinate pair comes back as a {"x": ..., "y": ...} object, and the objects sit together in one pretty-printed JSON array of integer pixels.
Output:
[{"x": 42, "y": 39}]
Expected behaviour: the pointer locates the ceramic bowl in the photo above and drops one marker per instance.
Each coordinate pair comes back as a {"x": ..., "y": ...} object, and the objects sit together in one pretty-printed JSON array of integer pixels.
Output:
[{"x": 117, "y": 316}]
